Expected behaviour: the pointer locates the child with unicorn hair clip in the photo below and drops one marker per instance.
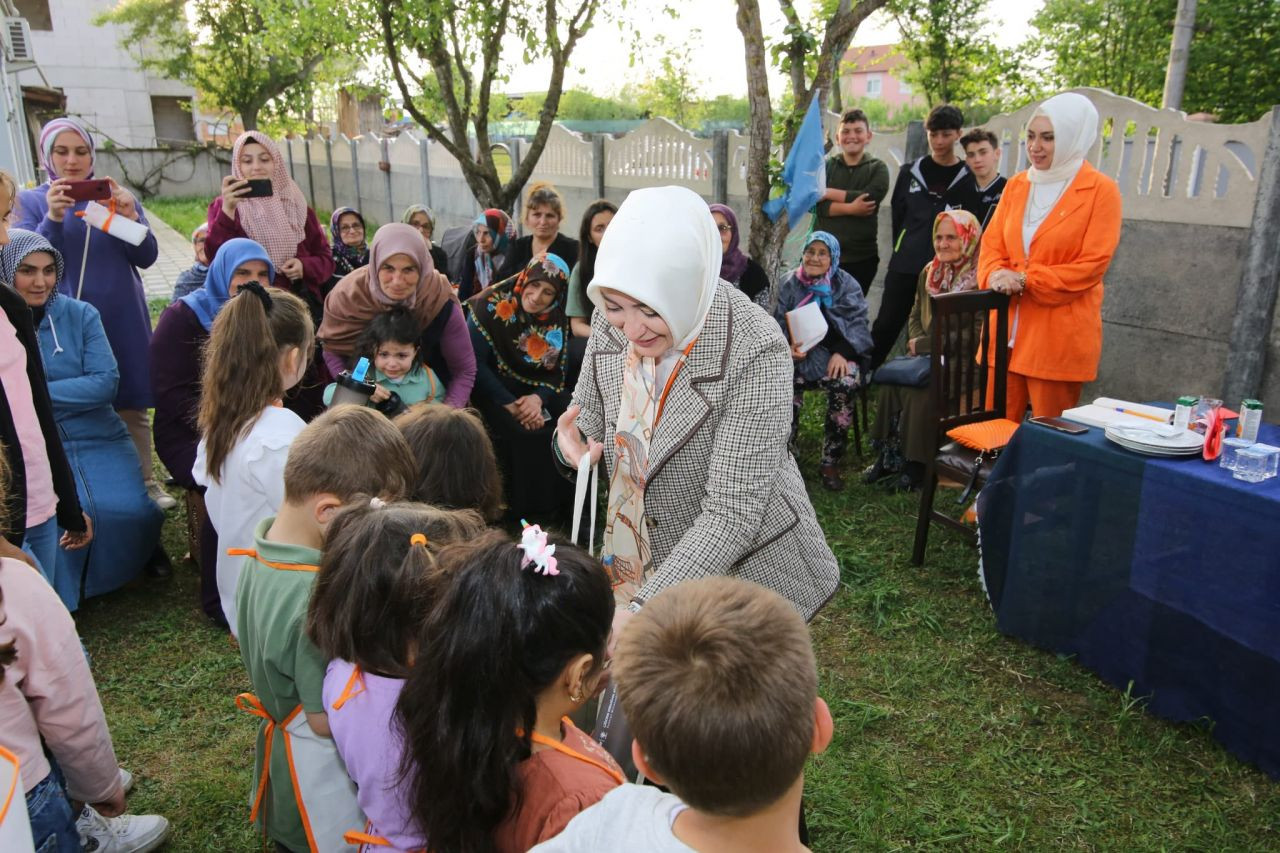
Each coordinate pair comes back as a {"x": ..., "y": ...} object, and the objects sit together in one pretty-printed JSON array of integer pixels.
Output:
[{"x": 515, "y": 642}]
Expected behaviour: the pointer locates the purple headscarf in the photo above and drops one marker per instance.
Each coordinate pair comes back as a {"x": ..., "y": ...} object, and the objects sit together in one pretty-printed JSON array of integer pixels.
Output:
[
  {"x": 50, "y": 132},
  {"x": 733, "y": 263}
]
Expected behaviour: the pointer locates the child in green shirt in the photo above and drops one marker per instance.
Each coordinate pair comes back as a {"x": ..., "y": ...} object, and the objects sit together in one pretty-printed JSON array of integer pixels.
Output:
[{"x": 302, "y": 796}]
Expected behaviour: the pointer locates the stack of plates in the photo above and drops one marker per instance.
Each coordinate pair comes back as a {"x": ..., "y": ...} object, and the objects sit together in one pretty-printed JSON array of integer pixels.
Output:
[{"x": 1156, "y": 440}]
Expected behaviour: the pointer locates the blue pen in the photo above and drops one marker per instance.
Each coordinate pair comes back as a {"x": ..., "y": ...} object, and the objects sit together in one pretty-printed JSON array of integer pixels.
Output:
[{"x": 361, "y": 368}]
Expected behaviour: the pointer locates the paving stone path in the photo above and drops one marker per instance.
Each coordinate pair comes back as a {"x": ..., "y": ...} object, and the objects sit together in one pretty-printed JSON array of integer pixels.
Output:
[{"x": 175, "y": 256}]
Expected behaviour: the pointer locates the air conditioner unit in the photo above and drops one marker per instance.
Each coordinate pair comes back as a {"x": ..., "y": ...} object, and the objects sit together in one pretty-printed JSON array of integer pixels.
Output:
[{"x": 17, "y": 40}]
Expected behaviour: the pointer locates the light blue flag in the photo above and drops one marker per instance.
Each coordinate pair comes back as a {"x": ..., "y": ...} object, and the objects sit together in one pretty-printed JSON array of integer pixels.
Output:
[{"x": 804, "y": 172}]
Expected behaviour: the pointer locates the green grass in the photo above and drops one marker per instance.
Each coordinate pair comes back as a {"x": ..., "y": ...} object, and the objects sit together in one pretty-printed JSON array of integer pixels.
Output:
[
  {"x": 947, "y": 733},
  {"x": 181, "y": 214}
]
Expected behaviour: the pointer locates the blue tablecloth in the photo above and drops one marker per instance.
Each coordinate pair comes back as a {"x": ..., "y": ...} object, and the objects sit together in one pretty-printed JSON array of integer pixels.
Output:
[{"x": 1163, "y": 572}]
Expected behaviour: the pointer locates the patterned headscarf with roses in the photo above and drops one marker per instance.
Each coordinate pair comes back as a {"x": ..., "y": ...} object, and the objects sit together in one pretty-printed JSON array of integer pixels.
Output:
[{"x": 528, "y": 347}]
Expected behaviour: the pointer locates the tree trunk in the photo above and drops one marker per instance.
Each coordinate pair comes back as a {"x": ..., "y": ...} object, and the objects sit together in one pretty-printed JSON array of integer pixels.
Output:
[
  {"x": 760, "y": 133},
  {"x": 249, "y": 115},
  {"x": 765, "y": 243}
]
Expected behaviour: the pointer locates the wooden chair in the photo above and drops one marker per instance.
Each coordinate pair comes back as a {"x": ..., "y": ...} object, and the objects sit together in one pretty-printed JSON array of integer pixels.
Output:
[{"x": 958, "y": 393}]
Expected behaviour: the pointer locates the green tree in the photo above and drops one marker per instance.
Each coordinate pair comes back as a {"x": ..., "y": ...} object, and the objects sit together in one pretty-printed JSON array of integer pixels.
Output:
[
  {"x": 797, "y": 55},
  {"x": 1232, "y": 68},
  {"x": 949, "y": 47},
  {"x": 446, "y": 56},
  {"x": 258, "y": 57},
  {"x": 673, "y": 91},
  {"x": 1118, "y": 45},
  {"x": 1123, "y": 46}
]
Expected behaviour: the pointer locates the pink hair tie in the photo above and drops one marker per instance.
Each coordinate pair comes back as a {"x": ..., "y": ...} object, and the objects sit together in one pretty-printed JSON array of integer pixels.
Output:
[{"x": 537, "y": 553}]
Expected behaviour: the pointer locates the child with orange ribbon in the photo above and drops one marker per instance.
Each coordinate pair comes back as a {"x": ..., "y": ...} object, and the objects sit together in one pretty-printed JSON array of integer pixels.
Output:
[
  {"x": 514, "y": 644},
  {"x": 371, "y": 597},
  {"x": 302, "y": 798}
]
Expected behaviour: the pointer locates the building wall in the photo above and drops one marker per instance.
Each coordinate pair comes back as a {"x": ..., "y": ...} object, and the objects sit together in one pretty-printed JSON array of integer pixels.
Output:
[
  {"x": 893, "y": 91},
  {"x": 102, "y": 82}
]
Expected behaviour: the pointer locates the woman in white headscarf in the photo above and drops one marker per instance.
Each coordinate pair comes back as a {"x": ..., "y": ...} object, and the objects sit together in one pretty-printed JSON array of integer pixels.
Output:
[
  {"x": 686, "y": 391},
  {"x": 1048, "y": 245}
]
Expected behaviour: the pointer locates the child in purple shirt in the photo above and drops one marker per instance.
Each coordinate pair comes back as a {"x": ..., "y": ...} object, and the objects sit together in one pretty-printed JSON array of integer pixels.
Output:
[{"x": 370, "y": 597}]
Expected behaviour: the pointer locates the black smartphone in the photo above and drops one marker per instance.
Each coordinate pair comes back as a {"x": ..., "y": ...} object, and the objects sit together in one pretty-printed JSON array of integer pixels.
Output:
[
  {"x": 1061, "y": 425},
  {"x": 91, "y": 190},
  {"x": 258, "y": 188}
]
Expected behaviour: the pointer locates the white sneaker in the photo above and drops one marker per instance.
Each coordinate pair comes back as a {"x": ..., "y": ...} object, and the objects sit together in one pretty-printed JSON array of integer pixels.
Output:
[
  {"x": 128, "y": 833},
  {"x": 162, "y": 499},
  {"x": 126, "y": 780}
]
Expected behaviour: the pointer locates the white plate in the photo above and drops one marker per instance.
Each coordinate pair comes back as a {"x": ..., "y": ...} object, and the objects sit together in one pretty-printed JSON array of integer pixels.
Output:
[
  {"x": 1156, "y": 437},
  {"x": 1148, "y": 450}
]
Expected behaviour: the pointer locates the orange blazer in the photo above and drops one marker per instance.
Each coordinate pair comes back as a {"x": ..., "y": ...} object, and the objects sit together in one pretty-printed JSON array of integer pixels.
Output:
[{"x": 1058, "y": 317}]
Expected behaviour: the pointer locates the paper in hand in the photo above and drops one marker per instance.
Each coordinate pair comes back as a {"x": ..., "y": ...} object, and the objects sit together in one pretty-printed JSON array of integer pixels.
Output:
[{"x": 807, "y": 326}]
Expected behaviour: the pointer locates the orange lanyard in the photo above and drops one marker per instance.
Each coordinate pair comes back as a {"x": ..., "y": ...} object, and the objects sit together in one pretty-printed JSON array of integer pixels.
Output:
[
  {"x": 560, "y": 747},
  {"x": 357, "y": 677},
  {"x": 671, "y": 380},
  {"x": 288, "y": 567}
]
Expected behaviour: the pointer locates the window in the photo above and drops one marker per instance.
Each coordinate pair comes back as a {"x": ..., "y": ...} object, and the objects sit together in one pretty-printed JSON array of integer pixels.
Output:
[
  {"x": 36, "y": 12},
  {"x": 904, "y": 87},
  {"x": 172, "y": 117},
  {"x": 874, "y": 82}
]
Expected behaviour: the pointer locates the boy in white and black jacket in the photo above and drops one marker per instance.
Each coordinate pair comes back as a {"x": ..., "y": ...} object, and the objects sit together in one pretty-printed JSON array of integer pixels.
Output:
[{"x": 924, "y": 188}]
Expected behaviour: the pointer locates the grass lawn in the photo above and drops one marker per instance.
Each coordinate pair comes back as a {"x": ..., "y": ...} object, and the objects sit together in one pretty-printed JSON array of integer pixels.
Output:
[{"x": 947, "y": 733}]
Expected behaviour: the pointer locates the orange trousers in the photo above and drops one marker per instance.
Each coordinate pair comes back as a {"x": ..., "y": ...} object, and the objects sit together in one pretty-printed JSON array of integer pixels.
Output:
[{"x": 1048, "y": 397}]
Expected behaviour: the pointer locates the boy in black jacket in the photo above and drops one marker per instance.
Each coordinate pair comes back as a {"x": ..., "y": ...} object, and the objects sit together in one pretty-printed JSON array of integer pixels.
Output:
[{"x": 924, "y": 188}]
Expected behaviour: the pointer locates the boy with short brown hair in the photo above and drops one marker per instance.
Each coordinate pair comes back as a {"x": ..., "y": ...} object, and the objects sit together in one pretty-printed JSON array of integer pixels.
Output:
[
  {"x": 720, "y": 687},
  {"x": 345, "y": 452}
]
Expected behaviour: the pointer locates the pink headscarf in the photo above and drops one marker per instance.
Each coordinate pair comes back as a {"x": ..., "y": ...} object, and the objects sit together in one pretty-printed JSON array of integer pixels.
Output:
[
  {"x": 50, "y": 132},
  {"x": 278, "y": 222}
]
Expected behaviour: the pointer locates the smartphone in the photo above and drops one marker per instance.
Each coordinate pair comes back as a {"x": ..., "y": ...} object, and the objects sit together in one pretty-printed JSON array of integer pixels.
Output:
[
  {"x": 258, "y": 188},
  {"x": 1061, "y": 425},
  {"x": 91, "y": 190},
  {"x": 546, "y": 416}
]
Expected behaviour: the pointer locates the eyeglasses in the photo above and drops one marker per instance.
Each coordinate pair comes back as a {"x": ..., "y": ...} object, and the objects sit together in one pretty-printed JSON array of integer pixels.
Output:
[
  {"x": 354, "y": 226},
  {"x": 725, "y": 228}
]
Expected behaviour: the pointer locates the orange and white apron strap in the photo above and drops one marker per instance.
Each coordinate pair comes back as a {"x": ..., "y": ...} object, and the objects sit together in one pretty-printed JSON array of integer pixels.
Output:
[
  {"x": 357, "y": 678},
  {"x": 253, "y": 705},
  {"x": 15, "y": 826}
]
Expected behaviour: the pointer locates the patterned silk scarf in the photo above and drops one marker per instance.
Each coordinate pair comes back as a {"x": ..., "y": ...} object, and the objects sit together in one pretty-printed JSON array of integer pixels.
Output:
[{"x": 627, "y": 553}]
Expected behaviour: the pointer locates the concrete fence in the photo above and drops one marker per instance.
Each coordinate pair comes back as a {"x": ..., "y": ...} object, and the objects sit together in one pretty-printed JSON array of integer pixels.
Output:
[{"x": 1190, "y": 296}]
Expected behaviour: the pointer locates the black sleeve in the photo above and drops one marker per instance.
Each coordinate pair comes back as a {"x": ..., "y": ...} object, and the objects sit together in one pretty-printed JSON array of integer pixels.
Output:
[
  {"x": 488, "y": 383},
  {"x": 753, "y": 280},
  {"x": 69, "y": 514},
  {"x": 898, "y": 204},
  {"x": 518, "y": 255},
  {"x": 441, "y": 261},
  {"x": 566, "y": 248}
]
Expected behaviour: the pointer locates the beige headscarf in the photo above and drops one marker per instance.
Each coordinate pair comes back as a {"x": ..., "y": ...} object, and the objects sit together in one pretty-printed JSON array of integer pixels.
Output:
[{"x": 358, "y": 297}]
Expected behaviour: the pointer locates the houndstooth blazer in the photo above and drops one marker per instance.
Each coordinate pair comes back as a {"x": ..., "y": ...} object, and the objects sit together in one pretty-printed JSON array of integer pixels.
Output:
[{"x": 724, "y": 495}]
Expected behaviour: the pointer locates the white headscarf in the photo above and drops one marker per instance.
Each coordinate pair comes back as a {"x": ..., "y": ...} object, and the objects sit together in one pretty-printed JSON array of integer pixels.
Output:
[
  {"x": 1075, "y": 129},
  {"x": 662, "y": 248}
]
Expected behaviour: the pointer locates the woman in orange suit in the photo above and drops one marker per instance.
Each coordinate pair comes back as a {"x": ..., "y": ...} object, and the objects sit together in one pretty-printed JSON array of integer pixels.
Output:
[{"x": 1048, "y": 245}]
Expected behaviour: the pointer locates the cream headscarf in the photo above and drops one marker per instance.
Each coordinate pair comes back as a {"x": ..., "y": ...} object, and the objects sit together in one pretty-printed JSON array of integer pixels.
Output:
[
  {"x": 1075, "y": 129},
  {"x": 662, "y": 248}
]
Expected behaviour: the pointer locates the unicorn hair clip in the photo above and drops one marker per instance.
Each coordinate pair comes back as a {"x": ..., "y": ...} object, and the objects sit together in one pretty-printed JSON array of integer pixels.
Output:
[{"x": 537, "y": 553}]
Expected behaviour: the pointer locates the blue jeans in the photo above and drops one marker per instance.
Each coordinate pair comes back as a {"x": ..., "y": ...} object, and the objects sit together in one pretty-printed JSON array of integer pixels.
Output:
[
  {"x": 53, "y": 824},
  {"x": 41, "y": 542}
]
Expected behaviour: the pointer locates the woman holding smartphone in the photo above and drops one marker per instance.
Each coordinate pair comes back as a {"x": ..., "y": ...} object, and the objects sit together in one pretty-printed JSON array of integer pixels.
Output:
[
  {"x": 67, "y": 153},
  {"x": 281, "y": 222}
]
